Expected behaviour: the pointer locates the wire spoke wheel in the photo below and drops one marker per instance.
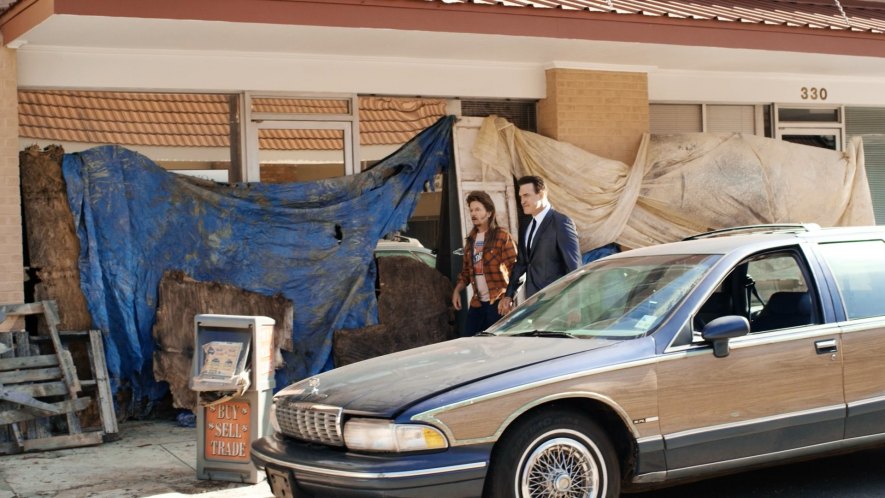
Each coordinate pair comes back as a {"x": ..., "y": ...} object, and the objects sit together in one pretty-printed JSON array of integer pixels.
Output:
[
  {"x": 554, "y": 453},
  {"x": 563, "y": 467}
]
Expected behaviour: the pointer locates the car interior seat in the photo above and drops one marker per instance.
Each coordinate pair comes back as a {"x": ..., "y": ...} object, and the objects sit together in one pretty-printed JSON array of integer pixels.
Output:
[
  {"x": 718, "y": 304},
  {"x": 784, "y": 309}
]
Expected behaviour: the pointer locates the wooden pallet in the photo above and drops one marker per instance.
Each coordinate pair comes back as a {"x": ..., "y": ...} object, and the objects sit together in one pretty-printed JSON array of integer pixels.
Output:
[{"x": 41, "y": 390}]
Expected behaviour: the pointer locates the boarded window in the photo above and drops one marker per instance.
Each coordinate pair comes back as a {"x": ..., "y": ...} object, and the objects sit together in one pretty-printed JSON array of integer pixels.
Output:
[
  {"x": 522, "y": 114},
  {"x": 675, "y": 118},
  {"x": 714, "y": 118},
  {"x": 731, "y": 118},
  {"x": 869, "y": 124}
]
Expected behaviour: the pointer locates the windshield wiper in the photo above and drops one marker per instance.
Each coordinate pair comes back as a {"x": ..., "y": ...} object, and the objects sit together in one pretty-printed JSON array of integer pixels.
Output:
[{"x": 545, "y": 333}]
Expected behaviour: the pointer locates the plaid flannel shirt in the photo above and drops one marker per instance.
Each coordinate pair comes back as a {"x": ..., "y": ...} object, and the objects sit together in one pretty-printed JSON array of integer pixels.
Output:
[{"x": 498, "y": 258}]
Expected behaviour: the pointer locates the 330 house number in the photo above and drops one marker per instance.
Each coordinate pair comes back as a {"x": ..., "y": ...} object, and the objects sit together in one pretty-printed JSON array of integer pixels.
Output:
[{"x": 812, "y": 93}]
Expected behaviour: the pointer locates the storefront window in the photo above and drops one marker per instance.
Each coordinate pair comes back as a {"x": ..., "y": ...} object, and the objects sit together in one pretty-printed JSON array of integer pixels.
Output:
[
  {"x": 301, "y": 154},
  {"x": 808, "y": 115},
  {"x": 189, "y": 133}
]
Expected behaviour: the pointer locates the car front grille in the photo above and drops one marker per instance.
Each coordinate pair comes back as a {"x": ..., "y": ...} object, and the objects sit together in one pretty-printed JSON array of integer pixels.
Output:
[{"x": 311, "y": 422}]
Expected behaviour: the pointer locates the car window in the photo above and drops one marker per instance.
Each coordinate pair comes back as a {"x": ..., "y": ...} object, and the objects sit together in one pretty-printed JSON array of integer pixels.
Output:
[
  {"x": 859, "y": 269},
  {"x": 619, "y": 298},
  {"x": 770, "y": 290}
]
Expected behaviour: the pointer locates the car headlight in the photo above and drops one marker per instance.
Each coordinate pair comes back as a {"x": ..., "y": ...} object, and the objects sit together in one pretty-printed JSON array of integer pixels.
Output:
[{"x": 383, "y": 435}]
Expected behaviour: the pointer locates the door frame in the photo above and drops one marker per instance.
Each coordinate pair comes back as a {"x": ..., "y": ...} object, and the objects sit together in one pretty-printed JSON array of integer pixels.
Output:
[
  {"x": 255, "y": 121},
  {"x": 711, "y": 417},
  {"x": 814, "y": 131},
  {"x": 835, "y": 127}
]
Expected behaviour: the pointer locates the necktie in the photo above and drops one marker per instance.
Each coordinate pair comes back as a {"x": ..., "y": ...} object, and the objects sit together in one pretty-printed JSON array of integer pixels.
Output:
[{"x": 528, "y": 241}]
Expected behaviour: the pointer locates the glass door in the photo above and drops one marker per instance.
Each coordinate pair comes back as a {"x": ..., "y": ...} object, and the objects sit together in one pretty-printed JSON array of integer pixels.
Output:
[
  {"x": 299, "y": 138},
  {"x": 297, "y": 151},
  {"x": 817, "y": 126},
  {"x": 827, "y": 138}
]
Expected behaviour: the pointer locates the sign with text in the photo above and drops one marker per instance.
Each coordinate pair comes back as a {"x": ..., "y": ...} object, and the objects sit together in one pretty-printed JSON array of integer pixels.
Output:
[{"x": 227, "y": 431}]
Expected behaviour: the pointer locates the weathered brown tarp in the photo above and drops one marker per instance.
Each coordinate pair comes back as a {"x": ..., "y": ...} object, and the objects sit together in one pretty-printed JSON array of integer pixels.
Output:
[
  {"x": 53, "y": 247},
  {"x": 684, "y": 184},
  {"x": 181, "y": 298},
  {"x": 413, "y": 310},
  {"x": 53, "y": 250}
]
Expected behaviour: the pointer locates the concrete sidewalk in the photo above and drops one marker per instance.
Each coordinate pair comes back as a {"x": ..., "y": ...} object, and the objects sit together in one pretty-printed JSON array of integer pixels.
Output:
[{"x": 152, "y": 458}]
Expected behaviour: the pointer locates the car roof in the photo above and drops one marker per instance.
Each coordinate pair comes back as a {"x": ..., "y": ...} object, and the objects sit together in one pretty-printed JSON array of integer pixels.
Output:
[
  {"x": 401, "y": 243},
  {"x": 724, "y": 244}
]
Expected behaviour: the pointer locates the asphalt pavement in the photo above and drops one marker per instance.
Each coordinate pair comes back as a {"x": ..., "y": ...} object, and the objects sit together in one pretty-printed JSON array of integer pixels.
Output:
[
  {"x": 854, "y": 475},
  {"x": 157, "y": 458}
]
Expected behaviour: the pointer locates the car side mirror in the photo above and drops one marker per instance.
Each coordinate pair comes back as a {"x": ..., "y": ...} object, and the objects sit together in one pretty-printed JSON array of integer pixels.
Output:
[{"x": 720, "y": 330}]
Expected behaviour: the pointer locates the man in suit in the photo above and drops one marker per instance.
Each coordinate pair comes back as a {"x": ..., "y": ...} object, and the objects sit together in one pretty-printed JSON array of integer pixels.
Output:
[{"x": 548, "y": 247}]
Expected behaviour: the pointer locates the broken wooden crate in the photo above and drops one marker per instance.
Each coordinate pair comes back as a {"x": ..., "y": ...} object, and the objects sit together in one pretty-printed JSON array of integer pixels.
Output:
[{"x": 40, "y": 390}]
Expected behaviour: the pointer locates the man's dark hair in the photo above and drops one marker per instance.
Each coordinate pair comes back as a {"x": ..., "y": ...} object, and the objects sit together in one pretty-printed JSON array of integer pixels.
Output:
[
  {"x": 537, "y": 181},
  {"x": 486, "y": 201}
]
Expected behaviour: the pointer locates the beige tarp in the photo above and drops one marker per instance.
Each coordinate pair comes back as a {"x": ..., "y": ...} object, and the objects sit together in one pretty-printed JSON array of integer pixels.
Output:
[{"x": 684, "y": 184}]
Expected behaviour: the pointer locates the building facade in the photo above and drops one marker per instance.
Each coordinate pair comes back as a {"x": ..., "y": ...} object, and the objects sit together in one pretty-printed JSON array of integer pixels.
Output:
[{"x": 276, "y": 90}]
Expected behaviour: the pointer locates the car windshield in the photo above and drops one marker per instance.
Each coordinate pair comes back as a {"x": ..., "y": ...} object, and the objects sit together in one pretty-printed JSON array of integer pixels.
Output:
[{"x": 622, "y": 298}]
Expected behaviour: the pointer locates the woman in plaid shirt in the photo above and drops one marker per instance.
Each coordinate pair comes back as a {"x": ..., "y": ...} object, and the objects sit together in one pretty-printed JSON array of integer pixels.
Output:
[{"x": 489, "y": 256}]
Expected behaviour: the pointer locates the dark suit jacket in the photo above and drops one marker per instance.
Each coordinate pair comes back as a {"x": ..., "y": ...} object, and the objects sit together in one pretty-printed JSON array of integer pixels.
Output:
[{"x": 555, "y": 252}]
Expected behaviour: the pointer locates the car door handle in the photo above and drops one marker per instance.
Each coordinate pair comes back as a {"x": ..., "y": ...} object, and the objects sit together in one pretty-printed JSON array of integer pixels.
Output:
[{"x": 826, "y": 346}]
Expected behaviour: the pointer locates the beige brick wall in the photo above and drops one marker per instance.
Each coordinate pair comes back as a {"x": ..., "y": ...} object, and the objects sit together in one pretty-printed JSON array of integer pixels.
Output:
[
  {"x": 11, "y": 263},
  {"x": 602, "y": 112}
]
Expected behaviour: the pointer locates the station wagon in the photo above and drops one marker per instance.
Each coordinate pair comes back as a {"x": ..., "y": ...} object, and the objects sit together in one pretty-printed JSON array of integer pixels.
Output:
[{"x": 738, "y": 348}]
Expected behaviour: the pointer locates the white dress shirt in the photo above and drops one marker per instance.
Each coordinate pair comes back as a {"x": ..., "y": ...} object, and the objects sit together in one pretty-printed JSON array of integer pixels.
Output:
[{"x": 538, "y": 219}]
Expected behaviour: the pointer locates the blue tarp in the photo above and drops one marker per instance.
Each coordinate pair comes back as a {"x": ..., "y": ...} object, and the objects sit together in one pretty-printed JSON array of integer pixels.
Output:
[
  {"x": 311, "y": 242},
  {"x": 600, "y": 252}
]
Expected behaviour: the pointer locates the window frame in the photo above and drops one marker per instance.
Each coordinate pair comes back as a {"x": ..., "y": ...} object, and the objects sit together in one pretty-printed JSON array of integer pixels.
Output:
[
  {"x": 798, "y": 255},
  {"x": 255, "y": 121},
  {"x": 838, "y": 291}
]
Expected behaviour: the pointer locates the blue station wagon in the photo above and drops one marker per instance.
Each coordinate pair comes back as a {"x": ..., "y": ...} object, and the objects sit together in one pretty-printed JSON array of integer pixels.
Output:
[{"x": 736, "y": 348}]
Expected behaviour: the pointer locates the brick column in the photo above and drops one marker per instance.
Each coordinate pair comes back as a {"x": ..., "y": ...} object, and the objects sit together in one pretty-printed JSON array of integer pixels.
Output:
[
  {"x": 11, "y": 252},
  {"x": 602, "y": 112}
]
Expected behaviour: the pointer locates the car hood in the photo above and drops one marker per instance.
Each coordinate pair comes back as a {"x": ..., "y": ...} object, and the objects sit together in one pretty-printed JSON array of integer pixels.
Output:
[{"x": 386, "y": 385}]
